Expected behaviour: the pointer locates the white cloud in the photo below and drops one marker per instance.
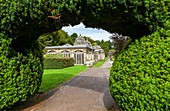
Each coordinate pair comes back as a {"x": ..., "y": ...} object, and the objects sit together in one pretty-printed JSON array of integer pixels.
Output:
[{"x": 89, "y": 32}]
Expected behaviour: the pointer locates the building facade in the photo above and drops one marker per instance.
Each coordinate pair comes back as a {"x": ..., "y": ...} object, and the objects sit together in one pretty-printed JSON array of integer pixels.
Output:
[{"x": 82, "y": 51}]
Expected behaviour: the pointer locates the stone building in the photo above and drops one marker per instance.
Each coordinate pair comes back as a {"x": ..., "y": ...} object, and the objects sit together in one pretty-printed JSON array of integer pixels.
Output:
[{"x": 82, "y": 51}]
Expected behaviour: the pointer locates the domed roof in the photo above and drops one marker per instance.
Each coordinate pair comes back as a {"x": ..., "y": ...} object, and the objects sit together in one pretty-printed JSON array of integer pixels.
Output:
[{"x": 80, "y": 41}]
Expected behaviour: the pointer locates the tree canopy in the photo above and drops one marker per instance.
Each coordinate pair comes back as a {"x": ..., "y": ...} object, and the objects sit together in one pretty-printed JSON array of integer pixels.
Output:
[
  {"x": 55, "y": 38},
  {"x": 74, "y": 36},
  {"x": 105, "y": 45}
]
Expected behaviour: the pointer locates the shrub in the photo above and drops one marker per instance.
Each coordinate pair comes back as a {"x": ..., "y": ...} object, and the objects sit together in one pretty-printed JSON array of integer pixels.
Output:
[
  {"x": 140, "y": 76},
  {"x": 57, "y": 63},
  {"x": 20, "y": 75},
  {"x": 21, "y": 68},
  {"x": 53, "y": 56}
]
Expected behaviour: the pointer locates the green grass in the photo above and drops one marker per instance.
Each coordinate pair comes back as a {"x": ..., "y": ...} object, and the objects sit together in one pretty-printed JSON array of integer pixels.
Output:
[
  {"x": 99, "y": 63},
  {"x": 54, "y": 77}
]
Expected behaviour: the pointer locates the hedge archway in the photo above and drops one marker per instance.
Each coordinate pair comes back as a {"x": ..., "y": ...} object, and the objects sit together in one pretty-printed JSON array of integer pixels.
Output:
[{"x": 23, "y": 21}]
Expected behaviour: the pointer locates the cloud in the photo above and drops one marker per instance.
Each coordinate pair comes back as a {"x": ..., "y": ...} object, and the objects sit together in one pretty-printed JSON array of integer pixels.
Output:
[{"x": 96, "y": 34}]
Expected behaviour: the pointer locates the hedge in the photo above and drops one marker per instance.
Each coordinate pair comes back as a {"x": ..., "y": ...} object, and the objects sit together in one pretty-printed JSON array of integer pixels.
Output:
[
  {"x": 58, "y": 63},
  {"x": 21, "y": 60},
  {"x": 140, "y": 76},
  {"x": 20, "y": 75}
]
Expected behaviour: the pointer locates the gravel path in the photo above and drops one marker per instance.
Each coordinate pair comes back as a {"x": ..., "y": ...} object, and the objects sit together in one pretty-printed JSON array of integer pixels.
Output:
[{"x": 87, "y": 92}]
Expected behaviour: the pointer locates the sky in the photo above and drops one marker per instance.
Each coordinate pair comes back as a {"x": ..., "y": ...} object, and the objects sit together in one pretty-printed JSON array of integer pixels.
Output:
[{"x": 93, "y": 33}]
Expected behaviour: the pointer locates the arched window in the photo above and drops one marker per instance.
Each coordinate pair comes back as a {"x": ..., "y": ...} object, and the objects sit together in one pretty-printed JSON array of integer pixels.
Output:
[
  {"x": 51, "y": 52},
  {"x": 96, "y": 55},
  {"x": 79, "y": 57},
  {"x": 66, "y": 54}
]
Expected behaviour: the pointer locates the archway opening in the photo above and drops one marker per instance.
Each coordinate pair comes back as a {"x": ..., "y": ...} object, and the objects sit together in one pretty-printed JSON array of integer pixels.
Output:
[{"x": 112, "y": 16}]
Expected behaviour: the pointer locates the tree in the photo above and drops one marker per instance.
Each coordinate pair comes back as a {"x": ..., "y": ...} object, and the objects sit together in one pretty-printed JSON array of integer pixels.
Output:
[
  {"x": 55, "y": 38},
  {"x": 46, "y": 40},
  {"x": 74, "y": 36},
  {"x": 61, "y": 37},
  {"x": 105, "y": 45},
  {"x": 119, "y": 41}
]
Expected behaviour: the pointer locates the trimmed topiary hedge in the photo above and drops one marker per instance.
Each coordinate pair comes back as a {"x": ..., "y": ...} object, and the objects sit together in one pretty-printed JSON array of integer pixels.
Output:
[
  {"x": 21, "y": 60},
  {"x": 140, "y": 76},
  {"x": 58, "y": 63},
  {"x": 20, "y": 75}
]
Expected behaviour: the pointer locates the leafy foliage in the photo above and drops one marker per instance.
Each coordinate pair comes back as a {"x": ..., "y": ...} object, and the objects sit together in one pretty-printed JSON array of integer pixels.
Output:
[
  {"x": 140, "y": 78},
  {"x": 55, "y": 38},
  {"x": 74, "y": 36},
  {"x": 21, "y": 57},
  {"x": 57, "y": 63},
  {"x": 54, "y": 56},
  {"x": 20, "y": 75},
  {"x": 105, "y": 45}
]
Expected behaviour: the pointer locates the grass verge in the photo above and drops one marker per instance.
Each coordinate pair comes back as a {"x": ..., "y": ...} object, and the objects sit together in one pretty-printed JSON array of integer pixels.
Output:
[
  {"x": 54, "y": 77},
  {"x": 99, "y": 63}
]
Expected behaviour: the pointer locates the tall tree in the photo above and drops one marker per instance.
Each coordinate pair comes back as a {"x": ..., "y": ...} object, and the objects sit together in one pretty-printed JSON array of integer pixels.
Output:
[
  {"x": 106, "y": 46},
  {"x": 61, "y": 37},
  {"x": 56, "y": 38},
  {"x": 74, "y": 36}
]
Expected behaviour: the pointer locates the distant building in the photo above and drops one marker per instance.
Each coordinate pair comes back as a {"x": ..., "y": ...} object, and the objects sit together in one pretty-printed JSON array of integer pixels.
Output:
[{"x": 82, "y": 51}]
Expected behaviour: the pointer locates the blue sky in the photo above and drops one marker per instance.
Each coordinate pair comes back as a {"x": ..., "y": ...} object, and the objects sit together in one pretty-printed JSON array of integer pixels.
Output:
[{"x": 95, "y": 34}]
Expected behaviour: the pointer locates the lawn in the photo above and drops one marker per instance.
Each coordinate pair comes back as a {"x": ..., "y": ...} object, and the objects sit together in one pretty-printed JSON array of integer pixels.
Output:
[
  {"x": 99, "y": 63},
  {"x": 54, "y": 77}
]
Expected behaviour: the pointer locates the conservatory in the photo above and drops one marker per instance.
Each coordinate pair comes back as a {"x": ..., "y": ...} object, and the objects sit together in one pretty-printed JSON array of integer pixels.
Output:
[{"x": 82, "y": 51}]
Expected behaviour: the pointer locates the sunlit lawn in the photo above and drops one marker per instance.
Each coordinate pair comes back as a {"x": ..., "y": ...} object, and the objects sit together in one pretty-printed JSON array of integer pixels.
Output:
[
  {"x": 99, "y": 63},
  {"x": 54, "y": 77}
]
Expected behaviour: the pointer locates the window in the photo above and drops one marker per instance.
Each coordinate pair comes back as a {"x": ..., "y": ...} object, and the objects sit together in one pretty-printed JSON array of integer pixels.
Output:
[
  {"x": 66, "y": 54},
  {"x": 51, "y": 52},
  {"x": 95, "y": 56},
  {"x": 79, "y": 57}
]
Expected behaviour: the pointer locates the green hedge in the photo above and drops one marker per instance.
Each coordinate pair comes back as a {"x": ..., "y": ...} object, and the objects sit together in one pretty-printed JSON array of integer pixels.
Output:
[
  {"x": 21, "y": 60},
  {"x": 140, "y": 76},
  {"x": 20, "y": 75},
  {"x": 58, "y": 63}
]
